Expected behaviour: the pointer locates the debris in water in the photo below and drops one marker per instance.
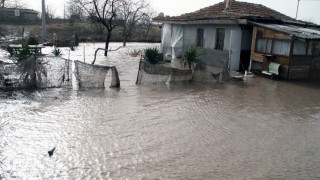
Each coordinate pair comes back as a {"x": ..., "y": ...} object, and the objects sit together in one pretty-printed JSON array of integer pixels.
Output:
[{"x": 51, "y": 151}]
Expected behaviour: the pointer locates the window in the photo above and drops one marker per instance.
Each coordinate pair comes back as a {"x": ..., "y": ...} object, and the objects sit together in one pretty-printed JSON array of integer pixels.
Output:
[
  {"x": 264, "y": 45},
  {"x": 281, "y": 47},
  {"x": 314, "y": 48},
  {"x": 220, "y": 38},
  {"x": 299, "y": 47},
  {"x": 269, "y": 45},
  {"x": 200, "y": 33},
  {"x": 260, "y": 47}
]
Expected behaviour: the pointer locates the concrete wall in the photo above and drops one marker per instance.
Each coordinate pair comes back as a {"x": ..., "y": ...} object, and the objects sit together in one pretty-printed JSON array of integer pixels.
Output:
[{"x": 93, "y": 76}]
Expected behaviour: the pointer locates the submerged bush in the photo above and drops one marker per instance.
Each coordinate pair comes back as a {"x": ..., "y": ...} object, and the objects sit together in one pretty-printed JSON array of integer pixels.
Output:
[
  {"x": 32, "y": 71},
  {"x": 153, "y": 55},
  {"x": 24, "y": 53},
  {"x": 56, "y": 52},
  {"x": 191, "y": 56},
  {"x": 10, "y": 50},
  {"x": 72, "y": 46}
]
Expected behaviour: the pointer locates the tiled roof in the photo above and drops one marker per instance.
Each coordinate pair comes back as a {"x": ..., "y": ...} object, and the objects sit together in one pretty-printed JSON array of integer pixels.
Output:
[{"x": 239, "y": 10}]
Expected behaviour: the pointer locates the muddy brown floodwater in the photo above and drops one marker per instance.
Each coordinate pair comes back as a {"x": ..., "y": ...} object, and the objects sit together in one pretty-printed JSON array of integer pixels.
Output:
[{"x": 256, "y": 129}]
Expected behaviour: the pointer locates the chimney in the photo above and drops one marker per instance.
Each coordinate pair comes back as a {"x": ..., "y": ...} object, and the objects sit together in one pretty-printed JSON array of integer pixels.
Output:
[{"x": 228, "y": 5}]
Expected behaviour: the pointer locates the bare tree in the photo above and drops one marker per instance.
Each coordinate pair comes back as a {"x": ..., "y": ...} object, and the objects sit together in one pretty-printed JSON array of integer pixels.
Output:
[
  {"x": 132, "y": 12},
  {"x": 146, "y": 22},
  {"x": 74, "y": 11},
  {"x": 104, "y": 12},
  {"x": 50, "y": 13}
]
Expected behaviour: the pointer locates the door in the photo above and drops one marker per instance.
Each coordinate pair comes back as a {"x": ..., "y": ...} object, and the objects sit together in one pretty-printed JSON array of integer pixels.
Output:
[{"x": 235, "y": 49}]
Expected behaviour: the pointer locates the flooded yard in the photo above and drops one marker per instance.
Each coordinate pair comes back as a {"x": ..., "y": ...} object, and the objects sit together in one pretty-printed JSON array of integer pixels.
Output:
[{"x": 252, "y": 129}]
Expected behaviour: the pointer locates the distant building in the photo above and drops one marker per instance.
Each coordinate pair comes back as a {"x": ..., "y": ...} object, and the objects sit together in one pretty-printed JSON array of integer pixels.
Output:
[
  {"x": 13, "y": 15},
  {"x": 248, "y": 35}
]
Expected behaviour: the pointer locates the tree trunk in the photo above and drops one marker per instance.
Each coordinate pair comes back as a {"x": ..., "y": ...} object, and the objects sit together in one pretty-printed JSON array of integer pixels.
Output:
[
  {"x": 124, "y": 36},
  {"x": 107, "y": 43},
  {"x": 124, "y": 41}
]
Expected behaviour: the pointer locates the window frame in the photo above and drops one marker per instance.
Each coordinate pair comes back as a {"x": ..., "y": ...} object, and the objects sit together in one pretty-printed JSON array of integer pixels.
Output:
[
  {"x": 272, "y": 44},
  {"x": 308, "y": 46}
]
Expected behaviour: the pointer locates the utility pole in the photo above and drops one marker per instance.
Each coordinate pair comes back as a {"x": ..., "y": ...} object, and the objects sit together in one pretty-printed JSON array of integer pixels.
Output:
[
  {"x": 297, "y": 9},
  {"x": 44, "y": 30}
]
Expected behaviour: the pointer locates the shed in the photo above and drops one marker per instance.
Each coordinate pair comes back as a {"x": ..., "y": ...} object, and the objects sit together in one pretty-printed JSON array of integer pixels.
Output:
[
  {"x": 296, "y": 48},
  {"x": 13, "y": 15}
]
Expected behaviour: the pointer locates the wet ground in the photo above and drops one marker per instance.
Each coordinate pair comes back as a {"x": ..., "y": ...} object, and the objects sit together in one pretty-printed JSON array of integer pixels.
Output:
[{"x": 253, "y": 129}]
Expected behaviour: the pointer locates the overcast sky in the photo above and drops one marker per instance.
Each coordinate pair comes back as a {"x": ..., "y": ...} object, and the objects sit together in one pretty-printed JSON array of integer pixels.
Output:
[{"x": 308, "y": 9}]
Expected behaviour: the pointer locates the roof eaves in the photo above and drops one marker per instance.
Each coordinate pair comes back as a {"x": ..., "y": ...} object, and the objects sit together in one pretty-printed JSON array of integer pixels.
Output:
[
  {"x": 293, "y": 33},
  {"x": 206, "y": 21}
]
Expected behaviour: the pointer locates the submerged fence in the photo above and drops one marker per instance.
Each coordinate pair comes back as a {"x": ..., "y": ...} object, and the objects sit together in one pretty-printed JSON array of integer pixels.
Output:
[
  {"x": 54, "y": 72},
  {"x": 47, "y": 72}
]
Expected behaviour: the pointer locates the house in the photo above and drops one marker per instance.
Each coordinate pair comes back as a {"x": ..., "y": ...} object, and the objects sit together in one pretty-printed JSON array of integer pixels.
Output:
[
  {"x": 14, "y": 15},
  {"x": 248, "y": 35}
]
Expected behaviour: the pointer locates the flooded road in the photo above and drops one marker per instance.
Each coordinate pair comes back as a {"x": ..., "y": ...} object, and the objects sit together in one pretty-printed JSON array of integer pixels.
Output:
[{"x": 257, "y": 129}]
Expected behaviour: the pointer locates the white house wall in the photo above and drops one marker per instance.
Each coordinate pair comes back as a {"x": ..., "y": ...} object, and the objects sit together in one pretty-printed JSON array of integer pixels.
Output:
[{"x": 210, "y": 56}]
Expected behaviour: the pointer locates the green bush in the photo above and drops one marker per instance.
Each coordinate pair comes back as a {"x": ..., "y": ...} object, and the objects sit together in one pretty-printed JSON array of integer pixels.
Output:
[
  {"x": 56, "y": 52},
  {"x": 32, "y": 41},
  {"x": 24, "y": 53},
  {"x": 10, "y": 50},
  {"x": 153, "y": 55},
  {"x": 72, "y": 46},
  {"x": 191, "y": 56}
]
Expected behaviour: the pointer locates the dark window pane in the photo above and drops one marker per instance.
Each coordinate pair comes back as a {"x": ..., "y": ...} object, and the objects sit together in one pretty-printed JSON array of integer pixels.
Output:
[
  {"x": 200, "y": 33},
  {"x": 314, "y": 48},
  {"x": 220, "y": 38},
  {"x": 299, "y": 47}
]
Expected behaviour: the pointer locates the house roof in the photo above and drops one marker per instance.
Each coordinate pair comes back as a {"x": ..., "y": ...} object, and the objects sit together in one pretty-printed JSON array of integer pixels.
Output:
[
  {"x": 21, "y": 10},
  {"x": 292, "y": 30},
  {"x": 239, "y": 10}
]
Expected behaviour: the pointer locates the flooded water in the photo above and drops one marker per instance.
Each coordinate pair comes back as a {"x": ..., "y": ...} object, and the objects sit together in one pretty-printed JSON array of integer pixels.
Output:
[{"x": 256, "y": 129}]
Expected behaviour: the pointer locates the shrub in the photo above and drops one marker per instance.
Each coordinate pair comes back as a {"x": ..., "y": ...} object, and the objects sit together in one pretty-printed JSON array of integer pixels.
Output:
[
  {"x": 32, "y": 41},
  {"x": 72, "y": 46},
  {"x": 32, "y": 71},
  {"x": 56, "y": 52},
  {"x": 153, "y": 55},
  {"x": 24, "y": 53},
  {"x": 10, "y": 50},
  {"x": 191, "y": 56}
]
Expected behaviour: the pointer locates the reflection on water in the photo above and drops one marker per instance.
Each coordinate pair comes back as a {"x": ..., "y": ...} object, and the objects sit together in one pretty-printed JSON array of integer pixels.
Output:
[{"x": 257, "y": 129}]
